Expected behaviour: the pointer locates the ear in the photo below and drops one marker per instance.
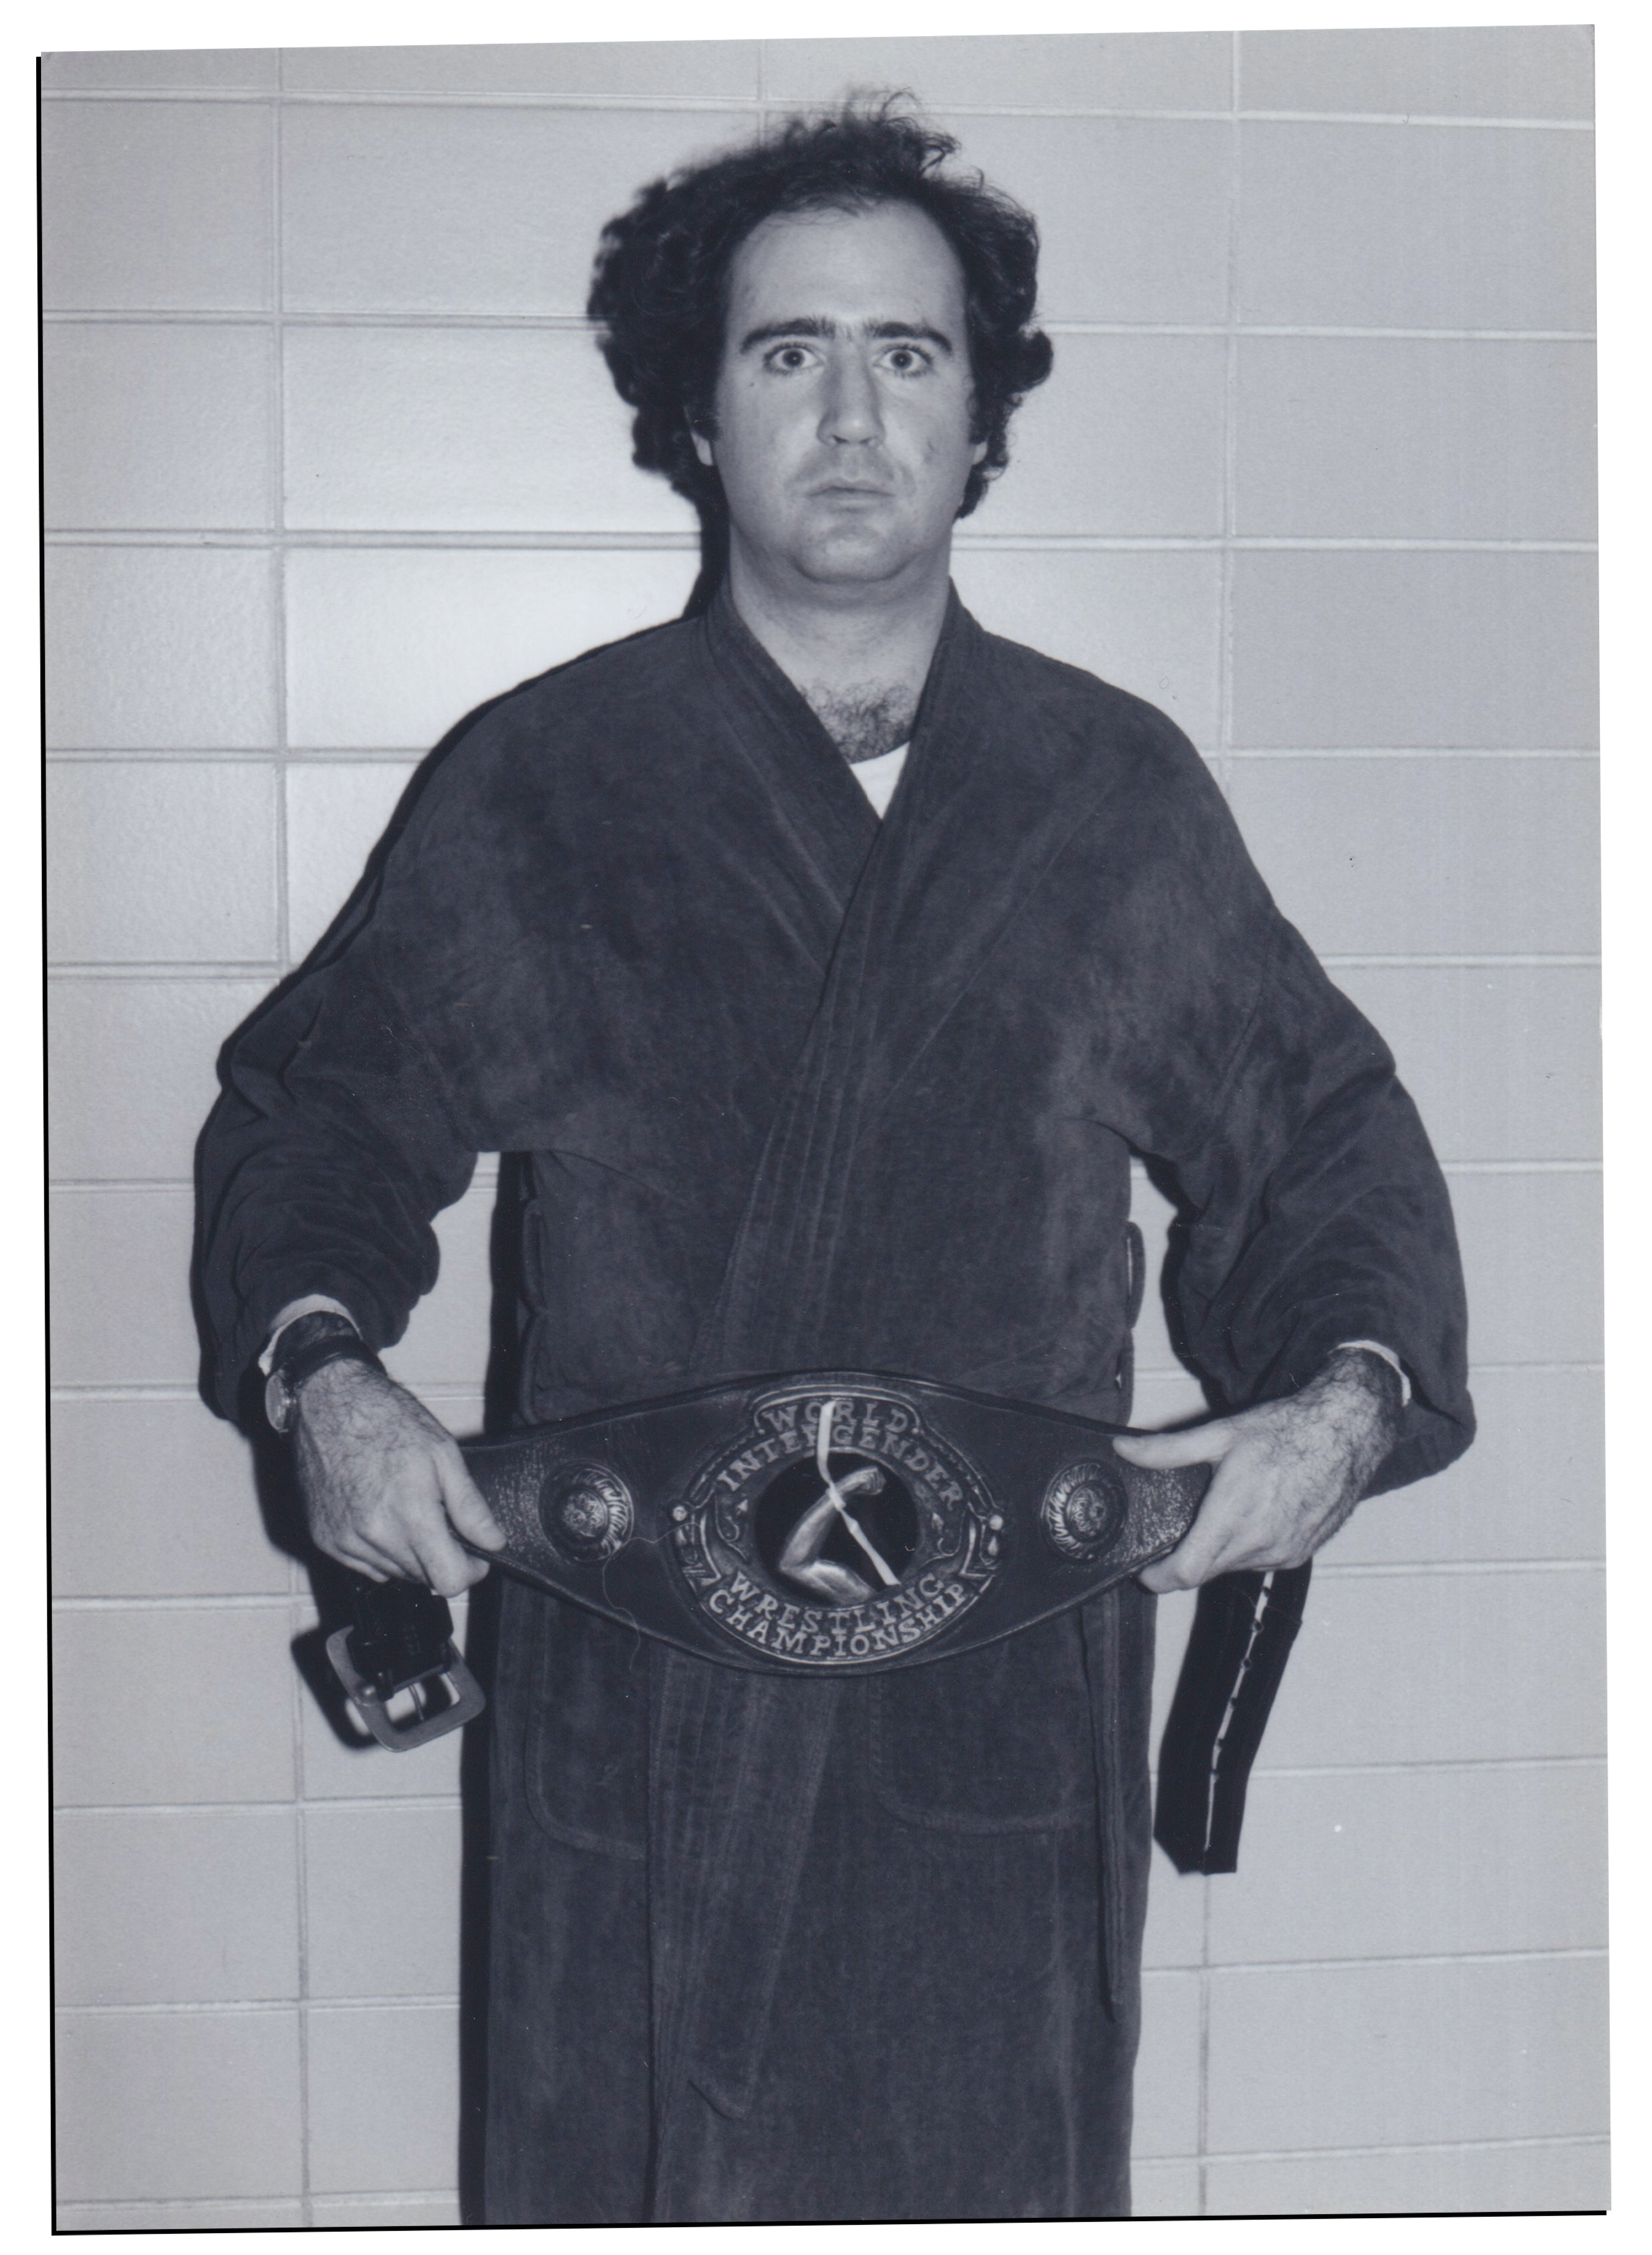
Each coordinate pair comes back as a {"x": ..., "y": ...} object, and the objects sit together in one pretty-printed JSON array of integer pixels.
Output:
[{"x": 978, "y": 450}]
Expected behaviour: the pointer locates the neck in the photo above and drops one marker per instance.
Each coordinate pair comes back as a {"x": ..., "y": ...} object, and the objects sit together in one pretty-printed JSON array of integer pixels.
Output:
[{"x": 859, "y": 655}]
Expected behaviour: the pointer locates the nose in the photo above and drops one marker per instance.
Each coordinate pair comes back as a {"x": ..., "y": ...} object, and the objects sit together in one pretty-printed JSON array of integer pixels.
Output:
[{"x": 853, "y": 414}]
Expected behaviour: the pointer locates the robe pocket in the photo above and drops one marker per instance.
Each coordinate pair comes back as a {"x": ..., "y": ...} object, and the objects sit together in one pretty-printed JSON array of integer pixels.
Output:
[
  {"x": 997, "y": 1740},
  {"x": 586, "y": 1740}
]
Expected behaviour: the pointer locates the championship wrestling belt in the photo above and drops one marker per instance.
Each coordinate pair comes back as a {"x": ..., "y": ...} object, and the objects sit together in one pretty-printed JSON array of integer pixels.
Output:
[
  {"x": 822, "y": 1523},
  {"x": 829, "y": 1522}
]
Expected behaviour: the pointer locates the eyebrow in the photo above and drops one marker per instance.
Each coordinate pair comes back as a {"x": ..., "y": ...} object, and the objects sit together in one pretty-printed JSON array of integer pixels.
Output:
[{"x": 814, "y": 325}]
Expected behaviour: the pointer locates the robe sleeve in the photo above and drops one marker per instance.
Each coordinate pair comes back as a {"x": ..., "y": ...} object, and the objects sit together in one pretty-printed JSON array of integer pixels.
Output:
[
  {"x": 1318, "y": 1214},
  {"x": 334, "y": 1143}
]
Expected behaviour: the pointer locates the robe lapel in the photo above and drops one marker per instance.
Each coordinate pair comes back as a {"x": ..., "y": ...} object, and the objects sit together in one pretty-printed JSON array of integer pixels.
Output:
[
  {"x": 816, "y": 800},
  {"x": 837, "y": 837},
  {"x": 984, "y": 806}
]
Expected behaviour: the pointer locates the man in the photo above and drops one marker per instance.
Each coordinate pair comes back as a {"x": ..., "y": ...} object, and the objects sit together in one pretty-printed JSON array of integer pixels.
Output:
[{"x": 828, "y": 957}]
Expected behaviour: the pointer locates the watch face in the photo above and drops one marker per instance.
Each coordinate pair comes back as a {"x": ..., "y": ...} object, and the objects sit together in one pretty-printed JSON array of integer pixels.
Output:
[{"x": 277, "y": 1401}]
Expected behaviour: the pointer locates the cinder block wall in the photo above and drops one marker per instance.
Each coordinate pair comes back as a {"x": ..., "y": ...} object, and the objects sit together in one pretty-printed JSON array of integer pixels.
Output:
[{"x": 332, "y": 458}]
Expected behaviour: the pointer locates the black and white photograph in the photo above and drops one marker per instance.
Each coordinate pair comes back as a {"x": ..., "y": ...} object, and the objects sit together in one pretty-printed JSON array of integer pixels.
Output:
[{"x": 823, "y": 1088}]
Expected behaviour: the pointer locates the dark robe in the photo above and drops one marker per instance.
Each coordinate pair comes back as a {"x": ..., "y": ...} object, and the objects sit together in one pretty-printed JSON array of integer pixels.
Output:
[{"x": 802, "y": 1090}]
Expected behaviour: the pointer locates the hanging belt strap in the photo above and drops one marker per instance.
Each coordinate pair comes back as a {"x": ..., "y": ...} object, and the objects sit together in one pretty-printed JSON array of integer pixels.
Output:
[{"x": 1243, "y": 1630}]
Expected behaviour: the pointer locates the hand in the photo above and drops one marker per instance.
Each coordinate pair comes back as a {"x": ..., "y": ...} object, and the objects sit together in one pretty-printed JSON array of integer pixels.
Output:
[
  {"x": 1287, "y": 1474},
  {"x": 385, "y": 1484}
]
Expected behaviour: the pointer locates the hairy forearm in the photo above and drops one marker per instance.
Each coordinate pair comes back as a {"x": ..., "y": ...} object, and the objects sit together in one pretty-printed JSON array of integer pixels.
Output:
[{"x": 1356, "y": 1402}]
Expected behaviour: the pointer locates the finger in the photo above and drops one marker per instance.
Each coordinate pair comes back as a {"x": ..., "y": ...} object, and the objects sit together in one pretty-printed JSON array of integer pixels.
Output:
[
  {"x": 362, "y": 1557},
  {"x": 466, "y": 1505},
  {"x": 1194, "y": 1560},
  {"x": 461, "y": 1573},
  {"x": 390, "y": 1535},
  {"x": 442, "y": 1565},
  {"x": 1199, "y": 1445},
  {"x": 1207, "y": 1551},
  {"x": 1160, "y": 1579},
  {"x": 1186, "y": 1568},
  {"x": 1222, "y": 1536},
  {"x": 397, "y": 1565}
]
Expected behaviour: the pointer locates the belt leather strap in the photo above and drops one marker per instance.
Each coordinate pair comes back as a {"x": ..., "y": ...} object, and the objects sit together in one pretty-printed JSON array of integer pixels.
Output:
[
  {"x": 1243, "y": 1629},
  {"x": 929, "y": 1522}
]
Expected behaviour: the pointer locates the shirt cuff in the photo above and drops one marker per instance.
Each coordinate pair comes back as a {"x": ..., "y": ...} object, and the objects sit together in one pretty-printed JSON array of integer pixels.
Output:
[
  {"x": 319, "y": 1305},
  {"x": 1371, "y": 1346}
]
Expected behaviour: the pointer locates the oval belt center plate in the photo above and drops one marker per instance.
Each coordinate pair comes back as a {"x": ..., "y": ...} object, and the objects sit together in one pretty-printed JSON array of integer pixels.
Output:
[{"x": 832, "y": 1552}]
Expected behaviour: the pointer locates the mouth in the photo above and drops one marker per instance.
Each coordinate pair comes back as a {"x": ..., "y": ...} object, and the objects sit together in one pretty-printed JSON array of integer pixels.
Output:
[
  {"x": 851, "y": 501},
  {"x": 848, "y": 488}
]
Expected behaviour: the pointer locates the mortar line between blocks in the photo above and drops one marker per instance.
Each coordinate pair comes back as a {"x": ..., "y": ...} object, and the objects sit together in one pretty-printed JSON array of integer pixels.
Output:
[
  {"x": 1230, "y": 457},
  {"x": 425, "y": 1804},
  {"x": 1205, "y": 1951},
  {"x": 246, "y": 2007},
  {"x": 459, "y": 1390},
  {"x": 1230, "y": 442},
  {"x": 278, "y": 520},
  {"x": 1435, "y": 1569},
  {"x": 1443, "y": 2146},
  {"x": 1348, "y": 1570},
  {"x": 236, "y": 2202},
  {"x": 283, "y": 934},
  {"x": 409, "y": 755},
  {"x": 1443, "y": 1766},
  {"x": 420, "y": 1804},
  {"x": 578, "y": 540},
  {"x": 1371, "y": 1961},
  {"x": 176, "y": 1186},
  {"x": 434, "y": 1389},
  {"x": 397, "y": 317},
  {"x": 67, "y": 967},
  {"x": 694, "y": 105},
  {"x": 301, "y": 1881}
]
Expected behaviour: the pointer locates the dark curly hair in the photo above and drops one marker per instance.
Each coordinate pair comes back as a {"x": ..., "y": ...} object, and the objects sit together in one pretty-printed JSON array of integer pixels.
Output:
[{"x": 659, "y": 290}]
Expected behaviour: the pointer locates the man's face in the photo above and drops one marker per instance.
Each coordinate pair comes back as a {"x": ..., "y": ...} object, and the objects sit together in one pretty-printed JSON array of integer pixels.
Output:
[{"x": 843, "y": 397}]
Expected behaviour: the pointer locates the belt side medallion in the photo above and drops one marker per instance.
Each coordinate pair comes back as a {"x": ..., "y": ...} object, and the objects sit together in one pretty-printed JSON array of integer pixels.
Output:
[
  {"x": 838, "y": 1529},
  {"x": 586, "y": 1512},
  {"x": 1083, "y": 1509}
]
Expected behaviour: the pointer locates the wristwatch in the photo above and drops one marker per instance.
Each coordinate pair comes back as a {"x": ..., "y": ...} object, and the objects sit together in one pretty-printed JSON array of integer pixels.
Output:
[{"x": 306, "y": 1346}]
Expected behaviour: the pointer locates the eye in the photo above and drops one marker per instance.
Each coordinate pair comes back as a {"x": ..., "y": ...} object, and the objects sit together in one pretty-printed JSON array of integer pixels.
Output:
[
  {"x": 907, "y": 359},
  {"x": 787, "y": 360}
]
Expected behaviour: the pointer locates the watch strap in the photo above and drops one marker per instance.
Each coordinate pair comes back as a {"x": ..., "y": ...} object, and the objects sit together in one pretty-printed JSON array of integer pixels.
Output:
[{"x": 300, "y": 1363}]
